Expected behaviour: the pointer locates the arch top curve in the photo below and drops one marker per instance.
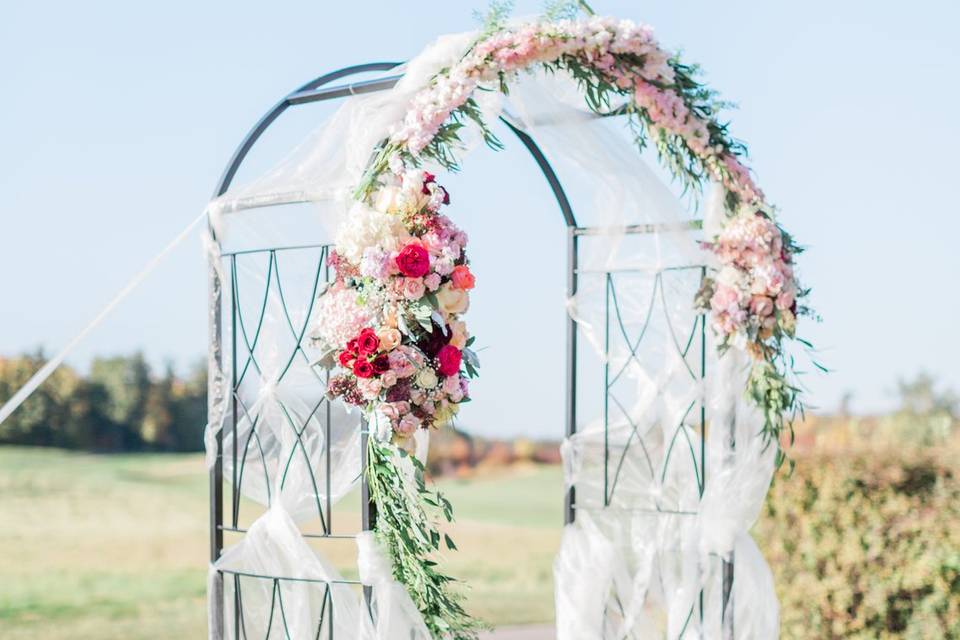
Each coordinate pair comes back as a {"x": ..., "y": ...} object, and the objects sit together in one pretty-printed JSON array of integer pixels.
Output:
[
  {"x": 316, "y": 91},
  {"x": 240, "y": 154}
]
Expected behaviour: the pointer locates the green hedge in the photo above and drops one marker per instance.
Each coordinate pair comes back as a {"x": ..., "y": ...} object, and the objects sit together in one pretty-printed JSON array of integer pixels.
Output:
[{"x": 867, "y": 545}]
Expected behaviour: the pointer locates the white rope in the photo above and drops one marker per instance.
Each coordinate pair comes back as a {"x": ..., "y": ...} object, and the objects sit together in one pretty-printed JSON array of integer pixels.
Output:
[{"x": 37, "y": 379}]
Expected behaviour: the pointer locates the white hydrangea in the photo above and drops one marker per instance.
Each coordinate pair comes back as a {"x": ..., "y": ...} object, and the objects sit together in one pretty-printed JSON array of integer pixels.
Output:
[{"x": 366, "y": 227}]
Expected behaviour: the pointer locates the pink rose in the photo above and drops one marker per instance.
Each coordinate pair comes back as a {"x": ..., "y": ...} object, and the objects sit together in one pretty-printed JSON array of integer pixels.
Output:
[
  {"x": 443, "y": 266},
  {"x": 451, "y": 384},
  {"x": 786, "y": 300},
  {"x": 725, "y": 298},
  {"x": 432, "y": 281},
  {"x": 413, "y": 288},
  {"x": 389, "y": 378},
  {"x": 408, "y": 425},
  {"x": 453, "y": 388},
  {"x": 392, "y": 411},
  {"x": 401, "y": 364}
]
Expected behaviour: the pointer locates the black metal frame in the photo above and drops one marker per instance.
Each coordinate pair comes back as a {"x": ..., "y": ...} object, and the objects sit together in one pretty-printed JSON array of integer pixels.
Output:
[{"x": 314, "y": 91}]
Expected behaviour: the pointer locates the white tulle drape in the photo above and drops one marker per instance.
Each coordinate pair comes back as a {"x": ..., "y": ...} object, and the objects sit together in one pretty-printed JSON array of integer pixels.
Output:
[{"x": 658, "y": 505}]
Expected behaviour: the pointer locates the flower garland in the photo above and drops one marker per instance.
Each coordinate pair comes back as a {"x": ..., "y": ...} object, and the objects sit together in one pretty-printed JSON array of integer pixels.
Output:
[{"x": 392, "y": 318}]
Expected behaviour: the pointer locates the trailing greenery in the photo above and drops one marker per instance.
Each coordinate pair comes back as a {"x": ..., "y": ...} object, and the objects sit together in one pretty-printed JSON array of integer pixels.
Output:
[{"x": 407, "y": 512}]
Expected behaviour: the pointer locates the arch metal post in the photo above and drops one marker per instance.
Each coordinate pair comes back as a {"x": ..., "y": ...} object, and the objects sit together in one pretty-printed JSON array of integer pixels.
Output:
[
  {"x": 214, "y": 406},
  {"x": 570, "y": 418}
]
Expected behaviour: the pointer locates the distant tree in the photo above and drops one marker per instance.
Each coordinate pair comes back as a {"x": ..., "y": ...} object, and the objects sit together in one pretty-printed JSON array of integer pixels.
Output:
[
  {"x": 159, "y": 412},
  {"x": 188, "y": 410},
  {"x": 119, "y": 406},
  {"x": 41, "y": 418},
  {"x": 126, "y": 380},
  {"x": 926, "y": 415}
]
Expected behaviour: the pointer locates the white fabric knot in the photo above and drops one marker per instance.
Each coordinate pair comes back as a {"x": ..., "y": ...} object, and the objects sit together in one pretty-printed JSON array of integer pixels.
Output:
[{"x": 268, "y": 391}]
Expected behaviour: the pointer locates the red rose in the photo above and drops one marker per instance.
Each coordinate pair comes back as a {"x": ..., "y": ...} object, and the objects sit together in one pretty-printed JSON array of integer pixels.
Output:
[
  {"x": 362, "y": 368},
  {"x": 352, "y": 346},
  {"x": 413, "y": 261},
  {"x": 368, "y": 342},
  {"x": 347, "y": 358},
  {"x": 449, "y": 358},
  {"x": 381, "y": 363}
]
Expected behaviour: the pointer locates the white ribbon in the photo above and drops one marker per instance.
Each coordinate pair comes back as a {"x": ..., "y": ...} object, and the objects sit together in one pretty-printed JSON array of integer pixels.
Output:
[{"x": 47, "y": 369}]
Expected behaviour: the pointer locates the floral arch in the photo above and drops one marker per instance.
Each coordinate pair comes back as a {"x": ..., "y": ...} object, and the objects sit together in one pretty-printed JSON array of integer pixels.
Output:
[{"x": 385, "y": 333}]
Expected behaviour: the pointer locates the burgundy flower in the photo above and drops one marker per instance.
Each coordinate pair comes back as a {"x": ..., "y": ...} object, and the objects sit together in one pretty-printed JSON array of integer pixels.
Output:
[
  {"x": 427, "y": 179},
  {"x": 434, "y": 341},
  {"x": 413, "y": 261},
  {"x": 381, "y": 364},
  {"x": 368, "y": 342},
  {"x": 343, "y": 386},
  {"x": 399, "y": 392}
]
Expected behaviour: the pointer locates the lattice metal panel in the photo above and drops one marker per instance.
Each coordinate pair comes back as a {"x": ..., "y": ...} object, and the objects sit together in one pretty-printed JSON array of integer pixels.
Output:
[
  {"x": 281, "y": 422},
  {"x": 643, "y": 472}
]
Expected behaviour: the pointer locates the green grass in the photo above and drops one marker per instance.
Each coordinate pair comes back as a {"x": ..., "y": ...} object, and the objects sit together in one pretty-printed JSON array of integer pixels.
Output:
[{"x": 116, "y": 546}]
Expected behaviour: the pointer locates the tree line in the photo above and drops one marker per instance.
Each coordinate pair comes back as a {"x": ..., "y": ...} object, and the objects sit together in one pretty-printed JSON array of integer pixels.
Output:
[{"x": 121, "y": 404}]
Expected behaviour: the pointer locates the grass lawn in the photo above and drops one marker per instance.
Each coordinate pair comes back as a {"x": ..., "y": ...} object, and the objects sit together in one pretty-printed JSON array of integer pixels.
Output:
[{"x": 112, "y": 547}]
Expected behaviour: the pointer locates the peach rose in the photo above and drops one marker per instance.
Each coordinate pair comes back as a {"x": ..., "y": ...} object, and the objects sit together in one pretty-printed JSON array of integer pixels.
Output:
[
  {"x": 458, "y": 334},
  {"x": 389, "y": 338},
  {"x": 453, "y": 300},
  {"x": 390, "y": 316}
]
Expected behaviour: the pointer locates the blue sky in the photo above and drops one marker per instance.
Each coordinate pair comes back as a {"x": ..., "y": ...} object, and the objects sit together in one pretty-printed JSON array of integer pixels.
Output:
[{"x": 118, "y": 118}]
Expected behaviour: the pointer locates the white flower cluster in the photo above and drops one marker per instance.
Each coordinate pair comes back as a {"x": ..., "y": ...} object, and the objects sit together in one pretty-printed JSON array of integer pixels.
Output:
[{"x": 366, "y": 227}]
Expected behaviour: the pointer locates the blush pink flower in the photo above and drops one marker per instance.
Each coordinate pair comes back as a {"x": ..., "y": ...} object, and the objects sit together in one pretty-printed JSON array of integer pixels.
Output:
[
  {"x": 388, "y": 379},
  {"x": 725, "y": 299},
  {"x": 413, "y": 288},
  {"x": 408, "y": 425},
  {"x": 786, "y": 300},
  {"x": 432, "y": 281}
]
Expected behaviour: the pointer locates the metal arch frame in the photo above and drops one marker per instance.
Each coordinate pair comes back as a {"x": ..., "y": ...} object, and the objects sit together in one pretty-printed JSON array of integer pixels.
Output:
[{"x": 316, "y": 91}]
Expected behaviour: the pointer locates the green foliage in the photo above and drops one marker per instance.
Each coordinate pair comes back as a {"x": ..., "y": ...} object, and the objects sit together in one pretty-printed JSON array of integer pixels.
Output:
[
  {"x": 867, "y": 545},
  {"x": 406, "y": 514},
  {"x": 495, "y": 18},
  {"x": 119, "y": 406}
]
